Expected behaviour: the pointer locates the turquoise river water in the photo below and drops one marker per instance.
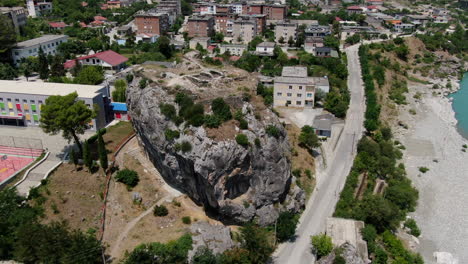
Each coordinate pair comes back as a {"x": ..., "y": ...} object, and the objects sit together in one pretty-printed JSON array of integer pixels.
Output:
[{"x": 460, "y": 106}]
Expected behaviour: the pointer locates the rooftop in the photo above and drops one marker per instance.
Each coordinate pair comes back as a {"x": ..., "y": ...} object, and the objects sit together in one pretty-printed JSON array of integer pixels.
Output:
[
  {"x": 48, "y": 88},
  {"x": 323, "y": 122},
  {"x": 267, "y": 44},
  {"x": 294, "y": 72},
  {"x": 39, "y": 40},
  {"x": 297, "y": 80},
  {"x": 109, "y": 56},
  {"x": 200, "y": 18}
]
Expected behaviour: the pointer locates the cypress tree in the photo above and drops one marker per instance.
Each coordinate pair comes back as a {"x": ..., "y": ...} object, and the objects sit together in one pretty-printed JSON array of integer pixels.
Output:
[
  {"x": 43, "y": 65},
  {"x": 74, "y": 157},
  {"x": 102, "y": 152},
  {"x": 87, "y": 160}
]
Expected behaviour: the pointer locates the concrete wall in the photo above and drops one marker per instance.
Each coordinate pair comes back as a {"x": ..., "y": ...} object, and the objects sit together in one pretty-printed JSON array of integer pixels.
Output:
[{"x": 292, "y": 94}]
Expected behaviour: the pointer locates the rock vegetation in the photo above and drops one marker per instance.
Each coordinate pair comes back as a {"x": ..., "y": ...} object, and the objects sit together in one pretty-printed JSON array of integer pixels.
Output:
[{"x": 237, "y": 183}]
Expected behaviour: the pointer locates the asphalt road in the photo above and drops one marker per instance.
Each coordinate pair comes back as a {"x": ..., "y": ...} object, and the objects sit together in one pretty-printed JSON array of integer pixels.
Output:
[{"x": 331, "y": 180}]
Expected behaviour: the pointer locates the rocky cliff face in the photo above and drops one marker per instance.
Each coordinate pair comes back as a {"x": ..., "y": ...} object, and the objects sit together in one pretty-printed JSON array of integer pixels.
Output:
[{"x": 239, "y": 184}]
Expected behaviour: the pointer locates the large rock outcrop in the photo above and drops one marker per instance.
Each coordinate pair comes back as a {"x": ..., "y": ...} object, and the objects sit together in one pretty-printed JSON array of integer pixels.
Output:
[{"x": 238, "y": 184}]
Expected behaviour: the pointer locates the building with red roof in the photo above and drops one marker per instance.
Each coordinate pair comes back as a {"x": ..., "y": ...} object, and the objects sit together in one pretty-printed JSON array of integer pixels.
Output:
[
  {"x": 100, "y": 18},
  {"x": 109, "y": 60},
  {"x": 57, "y": 25}
]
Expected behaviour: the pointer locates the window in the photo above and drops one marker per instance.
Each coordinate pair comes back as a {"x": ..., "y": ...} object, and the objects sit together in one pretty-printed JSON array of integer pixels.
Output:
[
  {"x": 25, "y": 101},
  {"x": 299, "y": 95},
  {"x": 300, "y": 87},
  {"x": 279, "y": 94},
  {"x": 32, "y": 101},
  {"x": 298, "y": 102},
  {"x": 290, "y": 87},
  {"x": 309, "y": 95},
  {"x": 289, "y": 94},
  {"x": 16, "y": 100}
]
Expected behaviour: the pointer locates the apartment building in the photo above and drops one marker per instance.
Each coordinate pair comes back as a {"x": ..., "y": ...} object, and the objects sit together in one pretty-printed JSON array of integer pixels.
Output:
[
  {"x": 152, "y": 23},
  {"x": 285, "y": 30},
  {"x": 260, "y": 21},
  {"x": 170, "y": 6},
  {"x": 17, "y": 15},
  {"x": 234, "y": 49},
  {"x": 224, "y": 23},
  {"x": 272, "y": 11},
  {"x": 198, "y": 26},
  {"x": 294, "y": 88},
  {"x": 21, "y": 102},
  {"x": 244, "y": 30},
  {"x": 43, "y": 8},
  {"x": 30, "y": 48}
]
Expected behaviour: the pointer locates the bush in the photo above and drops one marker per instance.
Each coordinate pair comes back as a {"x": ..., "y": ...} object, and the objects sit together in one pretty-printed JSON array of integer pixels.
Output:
[
  {"x": 212, "y": 121},
  {"x": 272, "y": 131},
  {"x": 413, "y": 227},
  {"x": 423, "y": 169},
  {"x": 308, "y": 139},
  {"x": 257, "y": 142},
  {"x": 127, "y": 177},
  {"x": 168, "y": 110},
  {"x": 296, "y": 173},
  {"x": 143, "y": 83},
  {"x": 160, "y": 210},
  {"x": 185, "y": 146},
  {"x": 322, "y": 245},
  {"x": 221, "y": 109},
  {"x": 339, "y": 260},
  {"x": 286, "y": 226},
  {"x": 242, "y": 140},
  {"x": 186, "y": 220},
  {"x": 243, "y": 124},
  {"x": 171, "y": 134}
]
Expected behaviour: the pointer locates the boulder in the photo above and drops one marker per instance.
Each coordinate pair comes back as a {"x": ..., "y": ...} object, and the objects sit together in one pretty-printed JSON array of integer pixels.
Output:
[
  {"x": 237, "y": 183},
  {"x": 215, "y": 237}
]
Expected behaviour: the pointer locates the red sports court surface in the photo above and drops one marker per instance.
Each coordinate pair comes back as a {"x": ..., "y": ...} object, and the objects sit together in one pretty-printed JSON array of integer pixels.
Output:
[{"x": 15, "y": 159}]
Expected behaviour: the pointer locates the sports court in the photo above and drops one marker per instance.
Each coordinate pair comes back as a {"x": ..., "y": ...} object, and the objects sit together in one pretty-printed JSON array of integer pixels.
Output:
[{"x": 17, "y": 153}]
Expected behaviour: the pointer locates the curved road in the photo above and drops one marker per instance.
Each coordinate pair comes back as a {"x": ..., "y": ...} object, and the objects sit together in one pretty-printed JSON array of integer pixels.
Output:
[{"x": 330, "y": 181}]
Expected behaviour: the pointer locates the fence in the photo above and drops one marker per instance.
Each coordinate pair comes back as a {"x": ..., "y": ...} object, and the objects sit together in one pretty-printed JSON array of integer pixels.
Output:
[{"x": 21, "y": 142}]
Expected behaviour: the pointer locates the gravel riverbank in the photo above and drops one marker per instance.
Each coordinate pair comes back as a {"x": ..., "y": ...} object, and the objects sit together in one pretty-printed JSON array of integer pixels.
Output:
[{"x": 432, "y": 141}]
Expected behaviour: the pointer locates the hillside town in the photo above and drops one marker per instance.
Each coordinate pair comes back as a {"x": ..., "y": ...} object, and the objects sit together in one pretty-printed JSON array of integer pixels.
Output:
[{"x": 193, "y": 131}]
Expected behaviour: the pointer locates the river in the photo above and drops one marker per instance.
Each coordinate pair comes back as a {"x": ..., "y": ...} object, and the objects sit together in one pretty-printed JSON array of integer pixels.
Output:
[{"x": 460, "y": 106}]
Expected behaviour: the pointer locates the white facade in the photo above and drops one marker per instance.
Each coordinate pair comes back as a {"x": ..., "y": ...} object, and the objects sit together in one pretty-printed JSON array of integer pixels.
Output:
[
  {"x": 30, "y": 48},
  {"x": 42, "y": 8},
  {"x": 265, "y": 49},
  {"x": 236, "y": 8},
  {"x": 235, "y": 50},
  {"x": 285, "y": 31},
  {"x": 208, "y": 10}
]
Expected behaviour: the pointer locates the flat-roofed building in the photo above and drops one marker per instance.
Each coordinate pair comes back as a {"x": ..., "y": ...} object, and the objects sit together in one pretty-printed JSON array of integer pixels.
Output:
[
  {"x": 203, "y": 41},
  {"x": 285, "y": 30},
  {"x": 244, "y": 30},
  {"x": 265, "y": 49},
  {"x": 294, "y": 88},
  {"x": 30, "y": 48},
  {"x": 200, "y": 26},
  {"x": 152, "y": 23},
  {"x": 17, "y": 15},
  {"x": 234, "y": 49},
  {"x": 21, "y": 102}
]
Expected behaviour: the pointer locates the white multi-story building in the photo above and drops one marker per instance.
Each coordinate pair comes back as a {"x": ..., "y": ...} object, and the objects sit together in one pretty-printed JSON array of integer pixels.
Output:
[
  {"x": 234, "y": 49},
  {"x": 285, "y": 30},
  {"x": 295, "y": 88},
  {"x": 30, "y": 48}
]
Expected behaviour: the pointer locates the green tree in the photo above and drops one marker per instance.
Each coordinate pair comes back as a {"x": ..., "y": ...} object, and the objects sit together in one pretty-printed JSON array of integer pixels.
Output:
[
  {"x": 87, "y": 159},
  {"x": 102, "y": 152},
  {"x": 322, "y": 245},
  {"x": 308, "y": 138},
  {"x": 91, "y": 75},
  {"x": 332, "y": 42},
  {"x": 7, "y": 72},
  {"x": 286, "y": 226},
  {"x": 56, "y": 67},
  {"x": 43, "y": 65},
  {"x": 128, "y": 177},
  {"x": 164, "y": 46},
  {"x": 221, "y": 109},
  {"x": 66, "y": 114},
  {"x": 119, "y": 94},
  {"x": 74, "y": 157},
  {"x": 235, "y": 256},
  {"x": 256, "y": 241},
  {"x": 204, "y": 256},
  {"x": 291, "y": 42},
  {"x": 7, "y": 34}
]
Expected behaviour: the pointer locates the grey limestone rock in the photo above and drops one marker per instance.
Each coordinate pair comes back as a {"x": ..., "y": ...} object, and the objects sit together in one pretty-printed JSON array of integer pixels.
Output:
[{"x": 239, "y": 184}]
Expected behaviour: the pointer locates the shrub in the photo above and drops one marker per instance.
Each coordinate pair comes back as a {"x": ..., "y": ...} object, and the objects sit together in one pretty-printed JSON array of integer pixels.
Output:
[
  {"x": 296, "y": 173},
  {"x": 186, "y": 220},
  {"x": 243, "y": 124},
  {"x": 238, "y": 115},
  {"x": 242, "y": 140},
  {"x": 322, "y": 245},
  {"x": 221, "y": 109},
  {"x": 212, "y": 121},
  {"x": 308, "y": 138},
  {"x": 423, "y": 169},
  {"x": 127, "y": 177},
  {"x": 185, "y": 146},
  {"x": 257, "y": 142},
  {"x": 171, "y": 134},
  {"x": 286, "y": 226},
  {"x": 339, "y": 260},
  {"x": 272, "y": 131},
  {"x": 308, "y": 173},
  {"x": 413, "y": 227},
  {"x": 160, "y": 210},
  {"x": 143, "y": 83},
  {"x": 168, "y": 110}
]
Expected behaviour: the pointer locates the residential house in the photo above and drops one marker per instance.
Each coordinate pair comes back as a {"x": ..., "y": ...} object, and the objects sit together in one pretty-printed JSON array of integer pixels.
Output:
[
  {"x": 419, "y": 20},
  {"x": 30, "y": 48},
  {"x": 265, "y": 49},
  {"x": 108, "y": 60},
  {"x": 57, "y": 25},
  {"x": 322, "y": 125},
  {"x": 151, "y": 23},
  {"x": 198, "y": 26},
  {"x": 113, "y": 4},
  {"x": 326, "y": 52},
  {"x": 354, "y": 10},
  {"x": 170, "y": 6},
  {"x": 204, "y": 42},
  {"x": 243, "y": 30},
  {"x": 234, "y": 49},
  {"x": 403, "y": 27},
  {"x": 21, "y": 102},
  {"x": 311, "y": 43},
  {"x": 294, "y": 88},
  {"x": 146, "y": 38},
  {"x": 285, "y": 30},
  {"x": 17, "y": 15}
]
